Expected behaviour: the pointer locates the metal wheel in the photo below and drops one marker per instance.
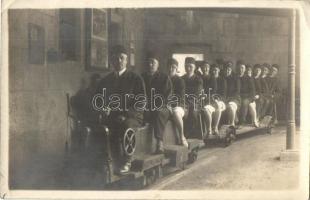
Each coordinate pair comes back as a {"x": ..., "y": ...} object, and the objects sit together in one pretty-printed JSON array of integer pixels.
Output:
[
  {"x": 193, "y": 156},
  {"x": 129, "y": 142},
  {"x": 227, "y": 140},
  {"x": 269, "y": 130}
]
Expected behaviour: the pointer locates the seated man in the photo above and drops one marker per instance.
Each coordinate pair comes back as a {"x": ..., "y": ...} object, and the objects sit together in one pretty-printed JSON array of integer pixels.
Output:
[
  {"x": 81, "y": 101},
  {"x": 177, "y": 108},
  {"x": 274, "y": 90},
  {"x": 215, "y": 106},
  {"x": 158, "y": 88},
  {"x": 124, "y": 115},
  {"x": 265, "y": 91},
  {"x": 193, "y": 89},
  {"x": 231, "y": 93}
]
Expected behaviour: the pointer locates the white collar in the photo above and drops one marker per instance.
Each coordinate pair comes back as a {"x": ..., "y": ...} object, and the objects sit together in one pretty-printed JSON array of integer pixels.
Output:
[{"x": 121, "y": 72}]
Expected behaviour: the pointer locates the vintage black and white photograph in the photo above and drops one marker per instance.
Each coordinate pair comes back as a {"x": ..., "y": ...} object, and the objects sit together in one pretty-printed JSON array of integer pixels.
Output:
[{"x": 155, "y": 99}]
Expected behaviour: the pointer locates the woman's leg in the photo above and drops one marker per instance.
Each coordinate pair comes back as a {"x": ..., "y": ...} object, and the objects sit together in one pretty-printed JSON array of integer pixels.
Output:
[
  {"x": 208, "y": 110},
  {"x": 217, "y": 115},
  {"x": 232, "y": 110},
  {"x": 253, "y": 114},
  {"x": 177, "y": 116}
]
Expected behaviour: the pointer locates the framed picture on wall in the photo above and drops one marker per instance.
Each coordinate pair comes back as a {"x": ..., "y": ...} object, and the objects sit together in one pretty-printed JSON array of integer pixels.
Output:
[
  {"x": 96, "y": 39},
  {"x": 36, "y": 44}
]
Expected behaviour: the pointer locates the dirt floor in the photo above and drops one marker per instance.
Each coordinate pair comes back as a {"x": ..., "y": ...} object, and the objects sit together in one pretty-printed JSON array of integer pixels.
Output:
[{"x": 250, "y": 163}]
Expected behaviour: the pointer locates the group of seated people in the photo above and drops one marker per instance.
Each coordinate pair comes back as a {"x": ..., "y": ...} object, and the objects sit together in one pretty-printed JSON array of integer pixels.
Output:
[{"x": 249, "y": 90}]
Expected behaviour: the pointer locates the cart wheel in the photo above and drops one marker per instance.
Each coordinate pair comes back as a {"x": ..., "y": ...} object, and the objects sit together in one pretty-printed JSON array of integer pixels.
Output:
[
  {"x": 227, "y": 140},
  {"x": 129, "y": 142},
  {"x": 150, "y": 176},
  {"x": 193, "y": 156},
  {"x": 269, "y": 130},
  {"x": 205, "y": 141},
  {"x": 232, "y": 130}
]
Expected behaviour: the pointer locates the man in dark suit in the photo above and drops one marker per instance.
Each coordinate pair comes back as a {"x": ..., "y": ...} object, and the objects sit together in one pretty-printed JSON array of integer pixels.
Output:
[
  {"x": 265, "y": 90},
  {"x": 117, "y": 85},
  {"x": 158, "y": 88},
  {"x": 274, "y": 87}
]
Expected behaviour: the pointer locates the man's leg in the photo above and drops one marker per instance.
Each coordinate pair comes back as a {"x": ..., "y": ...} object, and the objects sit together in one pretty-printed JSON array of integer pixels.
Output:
[
  {"x": 244, "y": 110},
  {"x": 159, "y": 120},
  {"x": 265, "y": 107}
]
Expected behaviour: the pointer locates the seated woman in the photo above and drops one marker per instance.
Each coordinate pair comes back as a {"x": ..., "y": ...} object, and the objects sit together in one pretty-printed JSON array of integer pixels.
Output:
[
  {"x": 215, "y": 106},
  {"x": 257, "y": 70},
  {"x": 247, "y": 93},
  {"x": 177, "y": 108},
  {"x": 193, "y": 88},
  {"x": 231, "y": 94},
  {"x": 253, "y": 96}
]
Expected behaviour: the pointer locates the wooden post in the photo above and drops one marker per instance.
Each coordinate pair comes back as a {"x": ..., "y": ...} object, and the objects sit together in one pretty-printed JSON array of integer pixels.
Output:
[
  {"x": 291, "y": 153},
  {"x": 290, "y": 136}
]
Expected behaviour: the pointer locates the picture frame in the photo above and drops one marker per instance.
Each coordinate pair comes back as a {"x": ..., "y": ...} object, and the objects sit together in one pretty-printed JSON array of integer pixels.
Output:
[
  {"x": 36, "y": 44},
  {"x": 96, "y": 39}
]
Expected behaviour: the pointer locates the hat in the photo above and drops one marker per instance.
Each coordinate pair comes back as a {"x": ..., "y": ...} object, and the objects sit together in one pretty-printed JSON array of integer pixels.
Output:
[
  {"x": 190, "y": 60},
  {"x": 172, "y": 61},
  {"x": 275, "y": 66},
  {"x": 240, "y": 62},
  {"x": 215, "y": 66},
  {"x": 152, "y": 54},
  {"x": 249, "y": 66},
  {"x": 204, "y": 62},
  {"x": 228, "y": 64},
  {"x": 266, "y": 65},
  {"x": 118, "y": 49},
  {"x": 257, "y": 66},
  {"x": 219, "y": 61}
]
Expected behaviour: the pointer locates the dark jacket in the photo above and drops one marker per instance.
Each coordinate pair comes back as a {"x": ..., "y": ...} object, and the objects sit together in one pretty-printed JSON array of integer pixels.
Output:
[
  {"x": 273, "y": 84},
  {"x": 128, "y": 83},
  {"x": 178, "y": 89},
  {"x": 232, "y": 88},
  {"x": 161, "y": 85},
  {"x": 265, "y": 86},
  {"x": 206, "y": 82},
  {"x": 193, "y": 86},
  {"x": 218, "y": 88},
  {"x": 258, "y": 85},
  {"x": 247, "y": 87}
]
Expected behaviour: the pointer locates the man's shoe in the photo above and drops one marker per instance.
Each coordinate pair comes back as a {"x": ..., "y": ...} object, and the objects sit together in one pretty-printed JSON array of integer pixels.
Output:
[{"x": 125, "y": 169}]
